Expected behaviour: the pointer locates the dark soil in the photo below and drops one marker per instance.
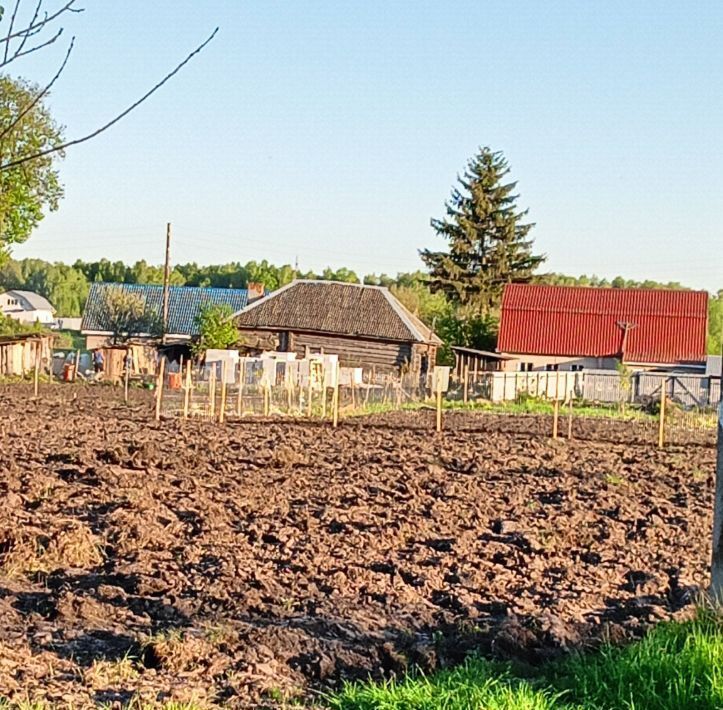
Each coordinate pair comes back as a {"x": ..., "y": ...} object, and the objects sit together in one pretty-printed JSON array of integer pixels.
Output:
[{"x": 239, "y": 564}]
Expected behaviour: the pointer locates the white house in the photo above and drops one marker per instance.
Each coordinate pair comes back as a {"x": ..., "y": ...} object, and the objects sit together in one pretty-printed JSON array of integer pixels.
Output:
[{"x": 27, "y": 307}]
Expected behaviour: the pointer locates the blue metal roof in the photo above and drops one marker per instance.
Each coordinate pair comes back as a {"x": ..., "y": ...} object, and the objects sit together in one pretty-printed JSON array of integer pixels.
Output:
[{"x": 184, "y": 304}]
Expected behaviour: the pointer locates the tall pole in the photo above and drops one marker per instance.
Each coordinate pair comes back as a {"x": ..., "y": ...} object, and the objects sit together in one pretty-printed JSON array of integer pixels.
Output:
[
  {"x": 716, "y": 572},
  {"x": 166, "y": 280}
]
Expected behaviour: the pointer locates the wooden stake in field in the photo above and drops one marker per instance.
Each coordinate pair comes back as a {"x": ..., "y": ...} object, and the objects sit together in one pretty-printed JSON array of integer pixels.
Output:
[
  {"x": 335, "y": 400},
  {"x": 222, "y": 409},
  {"x": 187, "y": 393},
  {"x": 555, "y": 418},
  {"x": 309, "y": 393},
  {"x": 661, "y": 423},
  {"x": 159, "y": 387},
  {"x": 569, "y": 418},
  {"x": 267, "y": 399},
  {"x": 239, "y": 395},
  {"x": 439, "y": 404},
  {"x": 36, "y": 378},
  {"x": 212, "y": 391},
  {"x": 77, "y": 365},
  {"x": 126, "y": 376},
  {"x": 556, "y": 409},
  {"x": 465, "y": 395}
]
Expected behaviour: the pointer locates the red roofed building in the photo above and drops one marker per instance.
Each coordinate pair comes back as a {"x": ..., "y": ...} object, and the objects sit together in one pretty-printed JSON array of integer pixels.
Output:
[{"x": 574, "y": 328}]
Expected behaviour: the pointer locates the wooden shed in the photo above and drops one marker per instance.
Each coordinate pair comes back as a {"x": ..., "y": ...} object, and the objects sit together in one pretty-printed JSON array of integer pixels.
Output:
[
  {"x": 366, "y": 326},
  {"x": 19, "y": 352},
  {"x": 143, "y": 360},
  {"x": 475, "y": 361}
]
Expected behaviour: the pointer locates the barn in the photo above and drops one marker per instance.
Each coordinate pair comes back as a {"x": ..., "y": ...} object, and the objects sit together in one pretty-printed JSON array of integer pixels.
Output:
[
  {"x": 576, "y": 328},
  {"x": 366, "y": 326}
]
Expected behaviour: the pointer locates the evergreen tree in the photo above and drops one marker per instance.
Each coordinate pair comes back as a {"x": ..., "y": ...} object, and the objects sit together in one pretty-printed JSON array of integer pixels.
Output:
[{"x": 488, "y": 244}]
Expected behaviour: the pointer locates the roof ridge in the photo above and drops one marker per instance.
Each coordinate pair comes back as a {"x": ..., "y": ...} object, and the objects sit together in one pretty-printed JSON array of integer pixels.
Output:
[
  {"x": 340, "y": 283},
  {"x": 607, "y": 289}
]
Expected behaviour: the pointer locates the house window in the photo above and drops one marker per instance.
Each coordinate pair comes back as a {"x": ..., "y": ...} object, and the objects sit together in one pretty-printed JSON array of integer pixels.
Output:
[
  {"x": 552, "y": 368},
  {"x": 576, "y": 368},
  {"x": 526, "y": 367}
]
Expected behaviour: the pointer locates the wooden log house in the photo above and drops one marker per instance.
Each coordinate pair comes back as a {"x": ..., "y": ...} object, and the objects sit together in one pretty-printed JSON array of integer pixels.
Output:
[{"x": 366, "y": 326}]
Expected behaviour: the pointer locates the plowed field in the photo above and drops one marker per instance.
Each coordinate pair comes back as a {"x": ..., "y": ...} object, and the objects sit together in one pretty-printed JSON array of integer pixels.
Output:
[{"x": 244, "y": 563}]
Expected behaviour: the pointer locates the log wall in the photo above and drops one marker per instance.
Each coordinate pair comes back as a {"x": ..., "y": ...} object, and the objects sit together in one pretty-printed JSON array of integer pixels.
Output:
[{"x": 352, "y": 352}]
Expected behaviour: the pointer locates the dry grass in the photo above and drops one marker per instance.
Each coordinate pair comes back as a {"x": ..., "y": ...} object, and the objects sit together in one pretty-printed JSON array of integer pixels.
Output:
[
  {"x": 179, "y": 651},
  {"x": 104, "y": 674},
  {"x": 73, "y": 546},
  {"x": 221, "y": 635}
]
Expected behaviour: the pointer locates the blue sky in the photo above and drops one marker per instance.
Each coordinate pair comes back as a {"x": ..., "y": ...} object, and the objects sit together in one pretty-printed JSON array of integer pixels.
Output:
[{"x": 333, "y": 131}]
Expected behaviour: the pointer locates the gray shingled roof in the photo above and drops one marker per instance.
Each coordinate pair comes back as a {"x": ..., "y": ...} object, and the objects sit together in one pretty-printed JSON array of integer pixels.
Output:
[
  {"x": 184, "y": 304},
  {"x": 35, "y": 300},
  {"x": 337, "y": 308}
]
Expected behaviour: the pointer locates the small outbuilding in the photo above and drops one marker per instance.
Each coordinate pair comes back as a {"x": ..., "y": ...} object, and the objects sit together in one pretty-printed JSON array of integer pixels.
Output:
[
  {"x": 18, "y": 353},
  {"x": 473, "y": 361},
  {"x": 366, "y": 326}
]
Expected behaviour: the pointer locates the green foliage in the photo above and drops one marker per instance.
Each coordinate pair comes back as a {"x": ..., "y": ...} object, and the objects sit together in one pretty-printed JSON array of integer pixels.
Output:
[
  {"x": 343, "y": 274},
  {"x": 10, "y": 326},
  {"x": 64, "y": 286},
  {"x": 553, "y": 279},
  {"x": 678, "y": 666},
  {"x": 31, "y": 189},
  {"x": 454, "y": 324},
  {"x": 128, "y": 315},
  {"x": 715, "y": 324},
  {"x": 626, "y": 376},
  {"x": 429, "y": 307},
  {"x": 488, "y": 244},
  {"x": 216, "y": 327},
  {"x": 468, "y": 328}
]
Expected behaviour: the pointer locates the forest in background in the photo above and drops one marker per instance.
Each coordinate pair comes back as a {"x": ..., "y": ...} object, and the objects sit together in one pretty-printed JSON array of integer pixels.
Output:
[{"x": 66, "y": 287}]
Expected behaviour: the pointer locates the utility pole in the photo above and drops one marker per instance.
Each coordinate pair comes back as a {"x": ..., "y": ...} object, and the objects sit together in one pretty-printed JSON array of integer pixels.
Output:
[
  {"x": 166, "y": 281},
  {"x": 716, "y": 570}
]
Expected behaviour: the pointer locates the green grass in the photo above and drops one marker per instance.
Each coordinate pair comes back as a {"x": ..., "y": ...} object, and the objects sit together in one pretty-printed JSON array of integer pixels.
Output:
[
  {"x": 523, "y": 406},
  {"x": 476, "y": 684},
  {"x": 676, "y": 667}
]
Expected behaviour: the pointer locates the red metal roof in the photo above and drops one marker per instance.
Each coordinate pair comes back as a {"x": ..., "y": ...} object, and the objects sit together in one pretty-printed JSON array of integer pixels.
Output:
[{"x": 662, "y": 326}]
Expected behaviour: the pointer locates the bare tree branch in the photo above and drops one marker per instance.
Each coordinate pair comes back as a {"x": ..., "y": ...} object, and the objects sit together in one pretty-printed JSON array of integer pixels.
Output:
[
  {"x": 10, "y": 30},
  {"x": 34, "y": 102},
  {"x": 28, "y": 32},
  {"x": 18, "y": 53},
  {"x": 123, "y": 114},
  {"x": 36, "y": 25}
]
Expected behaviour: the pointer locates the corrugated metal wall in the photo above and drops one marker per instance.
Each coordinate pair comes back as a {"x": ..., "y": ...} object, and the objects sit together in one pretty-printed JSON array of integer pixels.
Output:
[{"x": 662, "y": 326}]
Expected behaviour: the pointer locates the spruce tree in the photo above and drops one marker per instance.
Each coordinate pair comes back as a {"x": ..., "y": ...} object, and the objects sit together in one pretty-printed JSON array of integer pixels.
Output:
[{"x": 488, "y": 245}]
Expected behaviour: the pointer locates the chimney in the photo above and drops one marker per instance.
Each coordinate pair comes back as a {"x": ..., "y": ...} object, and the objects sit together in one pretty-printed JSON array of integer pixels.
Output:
[{"x": 256, "y": 291}]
